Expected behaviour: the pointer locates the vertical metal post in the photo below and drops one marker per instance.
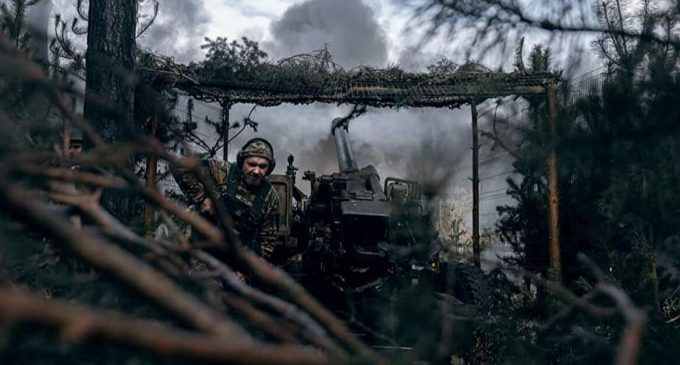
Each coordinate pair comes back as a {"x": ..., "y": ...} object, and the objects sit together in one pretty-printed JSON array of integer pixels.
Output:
[
  {"x": 225, "y": 129},
  {"x": 151, "y": 177},
  {"x": 66, "y": 137},
  {"x": 555, "y": 273},
  {"x": 475, "y": 187},
  {"x": 188, "y": 127},
  {"x": 190, "y": 111}
]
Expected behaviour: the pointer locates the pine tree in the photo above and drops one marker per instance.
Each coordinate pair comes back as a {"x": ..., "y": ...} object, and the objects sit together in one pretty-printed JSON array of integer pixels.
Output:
[{"x": 109, "y": 105}]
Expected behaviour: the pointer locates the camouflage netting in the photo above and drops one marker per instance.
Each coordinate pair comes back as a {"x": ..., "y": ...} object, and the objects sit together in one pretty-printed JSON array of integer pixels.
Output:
[{"x": 309, "y": 78}]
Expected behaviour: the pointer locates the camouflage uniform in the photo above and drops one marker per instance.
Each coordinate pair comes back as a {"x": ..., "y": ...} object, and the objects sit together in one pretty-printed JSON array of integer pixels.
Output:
[{"x": 254, "y": 210}]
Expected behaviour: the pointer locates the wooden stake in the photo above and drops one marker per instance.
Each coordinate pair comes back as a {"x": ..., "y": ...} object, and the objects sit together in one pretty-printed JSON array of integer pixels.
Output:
[
  {"x": 151, "y": 177},
  {"x": 66, "y": 138},
  {"x": 225, "y": 128},
  {"x": 555, "y": 272},
  {"x": 476, "y": 250}
]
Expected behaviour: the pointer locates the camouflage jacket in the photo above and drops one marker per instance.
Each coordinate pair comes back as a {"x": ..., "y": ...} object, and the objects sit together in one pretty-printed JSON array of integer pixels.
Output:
[{"x": 255, "y": 211}]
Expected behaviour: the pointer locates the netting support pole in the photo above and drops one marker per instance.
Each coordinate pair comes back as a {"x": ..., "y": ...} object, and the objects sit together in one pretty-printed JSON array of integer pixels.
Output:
[
  {"x": 151, "y": 180},
  {"x": 555, "y": 270},
  {"x": 225, "y": 129},
  {"x": 476, "y": 249}
]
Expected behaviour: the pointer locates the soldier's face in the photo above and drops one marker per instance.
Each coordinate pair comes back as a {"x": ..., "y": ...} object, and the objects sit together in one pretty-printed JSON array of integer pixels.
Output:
[
  {"x": 75, "y": 148},
  {"x": 255, "y": 169}
]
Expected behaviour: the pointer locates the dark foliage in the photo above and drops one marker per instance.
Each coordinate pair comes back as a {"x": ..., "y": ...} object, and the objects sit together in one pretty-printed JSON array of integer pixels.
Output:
[{"x": 619, "y": 193}]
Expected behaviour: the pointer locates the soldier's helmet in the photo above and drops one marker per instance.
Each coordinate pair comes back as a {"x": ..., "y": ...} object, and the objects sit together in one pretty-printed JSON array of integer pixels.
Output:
[
  {"x": 77, "y": 135},
  {"x": 257, "y": 147},
  {"x": 398, "y": 192},
  {"x": 75, "y": 146}
]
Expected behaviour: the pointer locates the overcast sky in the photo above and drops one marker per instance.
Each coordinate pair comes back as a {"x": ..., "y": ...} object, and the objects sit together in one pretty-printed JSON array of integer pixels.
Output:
[{"x": 405, "y": 142}]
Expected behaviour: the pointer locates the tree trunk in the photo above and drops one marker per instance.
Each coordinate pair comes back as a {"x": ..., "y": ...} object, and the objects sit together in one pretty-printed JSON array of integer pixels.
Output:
[
  {"x": 110, "y": 61},
  {"x": 110, "y": 64}
]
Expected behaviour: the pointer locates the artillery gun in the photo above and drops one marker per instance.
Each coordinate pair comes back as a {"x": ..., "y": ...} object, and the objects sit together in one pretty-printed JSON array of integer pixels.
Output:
[
  {"x": 355, "y": 243},
  {"x": 360, "y": 246}
]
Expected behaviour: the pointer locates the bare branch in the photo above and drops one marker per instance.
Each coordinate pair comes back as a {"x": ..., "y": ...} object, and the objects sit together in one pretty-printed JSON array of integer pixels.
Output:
[
  {"x": 193, "y": 219},
  {"x": 145, "y": 26},
  {"x": 105, "y": 256},
  {"x": 629, "y": 345},
  {"x": 80, "y": 8},
  {"x": 275, "y": 277},
  {"x": 311, "y": 330},
  {"x": 498, "y": 140},
  {"x": 317, "y": 335},
  {"x": 78, "y": 323},
  {"x": 494, "y": 22}
]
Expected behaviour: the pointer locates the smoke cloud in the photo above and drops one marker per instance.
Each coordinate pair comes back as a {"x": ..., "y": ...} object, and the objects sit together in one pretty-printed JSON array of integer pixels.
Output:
[
  {"x": 178, "y": 30},
  {"x": 396, "y": 142},
  {"x": 407, "y": 143},
  {"x": 39, "y": 20},
  {"x": 348, "y": 27},
  {"x": 414, "y": 143}
]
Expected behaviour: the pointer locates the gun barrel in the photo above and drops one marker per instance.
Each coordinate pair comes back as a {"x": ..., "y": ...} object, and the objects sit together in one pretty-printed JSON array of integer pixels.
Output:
[{"x": 343, "y": 149}]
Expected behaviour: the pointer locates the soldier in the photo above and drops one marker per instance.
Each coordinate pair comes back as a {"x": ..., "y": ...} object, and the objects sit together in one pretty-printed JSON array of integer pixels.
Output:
[
  {"x": 246, "y": 192},
  {"x": 75, "y": 147},
  {"x": 72, "y": 148}
]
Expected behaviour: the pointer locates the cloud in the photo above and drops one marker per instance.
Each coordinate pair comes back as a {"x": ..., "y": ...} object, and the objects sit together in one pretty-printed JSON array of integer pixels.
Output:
[
  {"x": 178, "y": 30},
  {"x": 348, "y": 27},
  {"x": 416, "y": 59},
  {"x": 38, "y": 18}
]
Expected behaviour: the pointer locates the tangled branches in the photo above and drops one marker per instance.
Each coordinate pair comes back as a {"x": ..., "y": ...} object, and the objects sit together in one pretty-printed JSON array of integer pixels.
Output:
[{"x": 297, "y": 328}]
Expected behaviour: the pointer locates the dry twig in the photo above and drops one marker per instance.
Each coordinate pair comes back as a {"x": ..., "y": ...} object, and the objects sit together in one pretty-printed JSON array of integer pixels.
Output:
[
  {"x": 108, "y": 257},
  {"x": 78, "y": 323}
]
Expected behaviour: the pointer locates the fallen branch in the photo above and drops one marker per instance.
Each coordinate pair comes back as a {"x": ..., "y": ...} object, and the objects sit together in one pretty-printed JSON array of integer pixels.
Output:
[
  {"x": 89, "y": 205},
  {"x": 310, "y": 328},
  {"x": 226, "y": 238},
  {"x": 107, "y": 257},
  {"x": 313, "y": 332},
  {"x": 134, "y": 272},
  {"x": 261, "y": 319},
  {"x": 79, "y": 323},
  {"x": 565, "y": 294},
  {"x": 277, "y": 278},
  {"x": 629, "y": 345},
  {"x": 196, "y": 221},
  {"x": 263, "y": 270}
]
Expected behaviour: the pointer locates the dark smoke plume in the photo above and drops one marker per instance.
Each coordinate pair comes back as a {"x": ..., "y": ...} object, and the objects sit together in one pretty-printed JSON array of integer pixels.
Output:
[
  {"x": 348, "y": 27},
  {"x": 178, "y": 30},
  {"x": 39, "y": 21}
]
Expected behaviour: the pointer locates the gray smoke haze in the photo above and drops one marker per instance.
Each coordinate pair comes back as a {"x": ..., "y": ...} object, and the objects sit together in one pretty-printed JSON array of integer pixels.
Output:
[
  {"x": 396, "y": 142},
  {"x": 415, "y": 143},
  {"x": 415, "y": 59},
  {"x": 178, "y": 30},
  {"x": 348, "y": 27},
  {"x": 408, "y": 143},
  {"x": 38, "y": 18}
]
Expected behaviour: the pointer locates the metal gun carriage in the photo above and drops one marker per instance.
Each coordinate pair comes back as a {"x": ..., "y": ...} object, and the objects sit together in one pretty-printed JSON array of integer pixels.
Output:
[{"x": 359, "y": 245}]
